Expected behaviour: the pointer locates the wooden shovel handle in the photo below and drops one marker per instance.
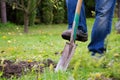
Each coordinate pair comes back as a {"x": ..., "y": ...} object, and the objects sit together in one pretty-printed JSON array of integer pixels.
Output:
[
  {"x": 78, "y": 7},
  {"x": 75, "y": 22}
]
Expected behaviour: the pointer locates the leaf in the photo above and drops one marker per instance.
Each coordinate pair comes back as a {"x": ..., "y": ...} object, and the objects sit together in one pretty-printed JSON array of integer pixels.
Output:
[{"x": 1, "y": 73}]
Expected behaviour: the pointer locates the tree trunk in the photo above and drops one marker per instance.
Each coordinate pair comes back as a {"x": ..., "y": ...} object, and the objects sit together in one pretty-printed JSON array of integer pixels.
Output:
[
  {"x": 26, "y": 22},
  {"x": 3, "y": 12}
]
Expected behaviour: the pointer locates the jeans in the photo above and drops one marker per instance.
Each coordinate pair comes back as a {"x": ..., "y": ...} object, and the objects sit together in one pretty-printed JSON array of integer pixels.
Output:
[
  {"x": 71, "y": 6},
  {"x": 102, "y": 26}
]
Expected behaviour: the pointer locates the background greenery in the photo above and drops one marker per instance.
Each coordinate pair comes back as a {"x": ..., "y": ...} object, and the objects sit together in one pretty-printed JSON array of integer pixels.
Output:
[{"x": 47, "y": 12}]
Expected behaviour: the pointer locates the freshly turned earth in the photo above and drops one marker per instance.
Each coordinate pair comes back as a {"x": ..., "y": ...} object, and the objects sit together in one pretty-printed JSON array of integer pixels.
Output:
[{"x": 11, "y": 68}]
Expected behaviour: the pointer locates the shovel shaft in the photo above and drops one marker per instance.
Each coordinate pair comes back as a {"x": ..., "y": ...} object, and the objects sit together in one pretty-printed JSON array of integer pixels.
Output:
[
  {"x": 76, "y": 21},
  {"x": 78, "y": 7}
]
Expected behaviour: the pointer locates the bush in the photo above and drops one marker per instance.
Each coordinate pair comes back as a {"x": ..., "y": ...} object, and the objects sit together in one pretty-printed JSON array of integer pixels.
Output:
[
  {"x": 59, "y": 11},
  {"x": 15, "y": 16},
  {"x": 33, "y": 13},
  {"x": 19, "y": 17},
  {"x": 47, "y": 11}
]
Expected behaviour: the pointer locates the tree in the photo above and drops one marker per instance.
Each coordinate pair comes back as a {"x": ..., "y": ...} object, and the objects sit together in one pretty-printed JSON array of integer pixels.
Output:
[
  {"x": 3, "y": 11},
  {"x": 25, "y": 6}
]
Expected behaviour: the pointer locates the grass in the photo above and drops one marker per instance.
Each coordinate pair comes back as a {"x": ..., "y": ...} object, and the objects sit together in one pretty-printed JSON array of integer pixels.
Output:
[{"x": 43, "y": 41}]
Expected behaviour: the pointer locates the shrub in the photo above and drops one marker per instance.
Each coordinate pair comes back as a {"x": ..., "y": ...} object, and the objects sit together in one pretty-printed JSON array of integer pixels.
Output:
[
  {"x": 19, "y": 17},
  {"x": 32, "y": 14},
  {"x": 59, "y": 11},
  {"x": 47, "y": 11}
]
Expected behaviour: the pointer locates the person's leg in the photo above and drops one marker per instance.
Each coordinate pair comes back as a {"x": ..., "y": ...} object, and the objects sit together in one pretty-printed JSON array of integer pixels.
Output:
[
  {"x": 82, "y": 27},
  {"x": 71, "y": 7},
  {"x": 102, "y": 25}
]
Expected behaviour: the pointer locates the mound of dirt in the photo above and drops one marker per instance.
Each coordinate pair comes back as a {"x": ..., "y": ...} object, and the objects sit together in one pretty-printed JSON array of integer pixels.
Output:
[{"x": 11, "y": 68}]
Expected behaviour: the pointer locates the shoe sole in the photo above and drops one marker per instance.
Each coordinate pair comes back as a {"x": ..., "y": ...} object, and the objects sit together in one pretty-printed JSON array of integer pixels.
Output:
[{"x": 82, "y": 39}]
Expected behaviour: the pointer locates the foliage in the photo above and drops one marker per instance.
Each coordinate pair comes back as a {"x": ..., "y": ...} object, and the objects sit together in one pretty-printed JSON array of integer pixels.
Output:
[
  {"x": 90, "y": 3},
  {"x": 47, "y": 11},
  {"x": 90, "y": 7},
  {"x": 33, "y": 13},
  {"x": 19, "y": 17},
  {"x": 27, "y": 7},
  {"x": 52, "y": 11},
  {"x": 59, "y": 11},
  {"x": 15, "y": 16}
]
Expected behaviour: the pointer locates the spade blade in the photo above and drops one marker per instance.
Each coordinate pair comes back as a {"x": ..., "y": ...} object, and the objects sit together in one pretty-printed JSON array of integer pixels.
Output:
[{"x": 67, "y": 54}]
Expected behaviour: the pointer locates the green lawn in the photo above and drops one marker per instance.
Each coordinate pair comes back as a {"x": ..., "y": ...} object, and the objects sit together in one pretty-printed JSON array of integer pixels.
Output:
[{"x": 43, "y": 41}]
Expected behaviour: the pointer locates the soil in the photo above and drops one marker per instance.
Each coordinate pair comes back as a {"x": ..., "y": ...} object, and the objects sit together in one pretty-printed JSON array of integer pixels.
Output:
[
  {"x": 17, "y": 69},
  {"x": 12, "y": 68}
]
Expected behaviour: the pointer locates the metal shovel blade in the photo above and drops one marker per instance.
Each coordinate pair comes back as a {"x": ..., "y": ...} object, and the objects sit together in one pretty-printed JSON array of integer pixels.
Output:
[{"x": 67, "y": 54}]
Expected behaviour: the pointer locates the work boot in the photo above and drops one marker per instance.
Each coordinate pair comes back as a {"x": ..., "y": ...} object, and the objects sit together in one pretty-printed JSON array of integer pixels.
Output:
[{"x": 81, "y": 36}]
